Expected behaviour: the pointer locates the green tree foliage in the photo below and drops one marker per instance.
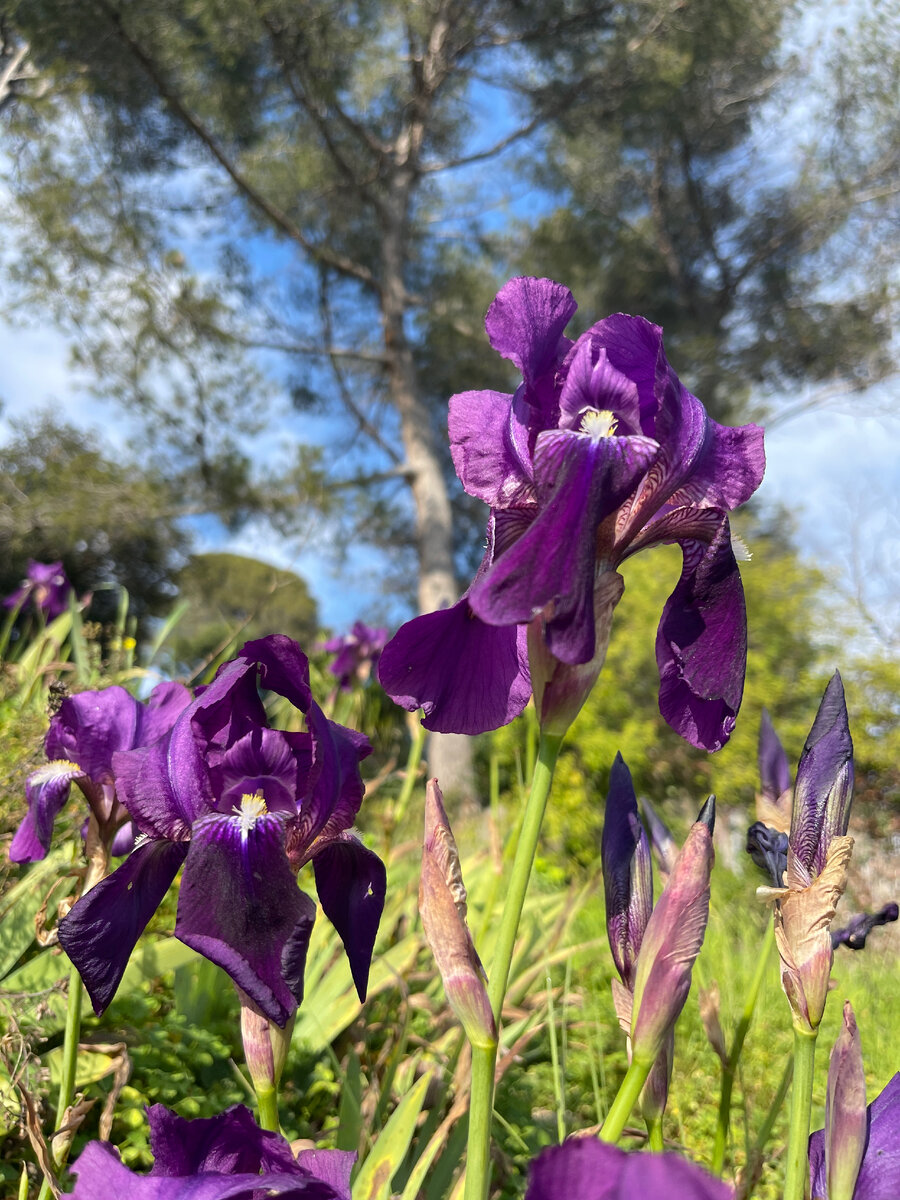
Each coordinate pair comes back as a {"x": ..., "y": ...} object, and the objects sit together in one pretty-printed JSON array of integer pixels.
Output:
[
  {"x": 111, "y": 522},
  {"x": 734, "y": 179},
  {"x": 233, "y": 599}
]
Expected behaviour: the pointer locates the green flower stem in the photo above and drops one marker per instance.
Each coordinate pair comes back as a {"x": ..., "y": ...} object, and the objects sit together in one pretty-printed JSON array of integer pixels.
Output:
[
  {"x": 267, "y": 1102},
  {"x": 655, "y": 1135},
  {"x": 484, "y": 1059},
  {"x": 60, "y": 1152},
  {"x": 416, "y": 746},
  {"x": 729, "y": 1069},
  {"x": 796, "y": 1177},
  {"x": 625, "y": 1099}
]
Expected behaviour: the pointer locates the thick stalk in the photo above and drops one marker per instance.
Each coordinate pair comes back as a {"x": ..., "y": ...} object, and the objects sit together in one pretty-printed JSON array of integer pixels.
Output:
[
  {"x": 796, "y": 1179},
  {"x": 655, "y": 1135},
  {"x": 729, "y": 1069},
  {"x": 625, "y": 1099},
  {"x": 267, "y": 1103},
  {"x": 484, "y": 1060}
]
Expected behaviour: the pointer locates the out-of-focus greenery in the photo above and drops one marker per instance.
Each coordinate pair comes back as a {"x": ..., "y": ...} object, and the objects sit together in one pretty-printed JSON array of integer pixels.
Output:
[
  {"x": 232, "y": 599},
  {"x": 63, "y": 497},
  {"x": 792, "y": 651}
]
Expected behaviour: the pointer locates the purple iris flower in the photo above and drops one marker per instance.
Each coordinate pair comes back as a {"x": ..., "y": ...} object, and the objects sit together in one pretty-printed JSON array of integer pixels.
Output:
[
  {"x": 45, "y": 587},
  {"x": 601, "y": 452},
  {"x": 857, "y": 930},
  {"x": 88, "y": 730},
  {"x": 227, "y": 1157},
  {"x": 357, "y": 653},
  {"x": 243, "y": 807},
  {"x": 879, "y": 1172},
  {"x": 589, "y": 1169}
]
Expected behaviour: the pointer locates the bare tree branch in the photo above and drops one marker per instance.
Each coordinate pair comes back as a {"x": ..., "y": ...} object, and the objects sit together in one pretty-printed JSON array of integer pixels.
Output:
[{"x": 322, "y": 254}]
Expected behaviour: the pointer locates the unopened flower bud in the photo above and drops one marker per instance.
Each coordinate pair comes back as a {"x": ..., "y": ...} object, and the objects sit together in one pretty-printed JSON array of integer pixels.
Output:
[
  {"x": 803, "y": 917},
  {"x": 846, "y": 1127},
  {"x": 265, "y": 1045},
  {"x": 709, "y": 1015},
  {"x": 824, "y": 786},
  {"x": 627, "y": 872},
  {"x": 775, "y": 800},
  {"x": 664, "y": 845},
  {"x": 442, "y": 903},
  {"x": 672, "y": 940}
]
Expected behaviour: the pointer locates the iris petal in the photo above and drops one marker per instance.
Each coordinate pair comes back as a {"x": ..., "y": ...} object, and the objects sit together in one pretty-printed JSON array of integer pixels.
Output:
[
  {"x": 102, "y": 929},
  {"x": 240, "y": 906}
]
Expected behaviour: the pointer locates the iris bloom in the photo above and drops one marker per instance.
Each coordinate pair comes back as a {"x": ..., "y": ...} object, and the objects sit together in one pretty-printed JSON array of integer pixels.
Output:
[
  {"x": 818, "y": 853},
  {"x": 242, "y": 807},
  {"x": 857, "y": 1155},
  {"x": 227, "y": 1157},
  {"x": 88, "y": 730},
  {"x": 592, "y": 1170},
  {"x": 45, "y": 588},
  {"x": 601, "y": 452},
  {"x": 357, "y": 652}
]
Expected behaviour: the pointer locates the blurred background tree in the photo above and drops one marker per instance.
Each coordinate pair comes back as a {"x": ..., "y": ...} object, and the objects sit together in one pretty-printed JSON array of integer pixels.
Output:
[
  {"x": 266, "y": 224},
  {"x": 62, "y": 496},
  {"x": 231, "y": 600}
]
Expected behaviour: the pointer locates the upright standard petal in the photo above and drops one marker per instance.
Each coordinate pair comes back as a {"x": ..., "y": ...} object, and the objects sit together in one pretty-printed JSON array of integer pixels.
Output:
[
  {"x": 102, "y": 929},
  {"x": 526, "y": 321},
  {"x": 483, "y": 454}
]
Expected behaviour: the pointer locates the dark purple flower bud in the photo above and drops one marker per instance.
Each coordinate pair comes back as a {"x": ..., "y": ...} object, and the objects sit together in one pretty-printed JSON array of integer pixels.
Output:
[
  {"x": 442, "y": 904},
  {"x": 774, "y": 769},
  {"x": 768, "y": 848},
  {"x": 227, "y": 1157},
  {"x": 661, "y": 841},
  {"x": 584, "y": 1168},
  {"x": 46, "y": 589},
  {"x": 601, "y": 452},
  {"x": 879, "y": 1172},
  {"x": 627, "y": 872},
  {"x": 824, "y": 786},
  {"x": 672, "y": 941},
  {"x": 858, "y": 928}
]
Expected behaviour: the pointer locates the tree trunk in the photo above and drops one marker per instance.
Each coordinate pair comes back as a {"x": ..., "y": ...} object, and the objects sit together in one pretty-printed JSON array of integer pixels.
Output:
[{"x": 449, "y": 755}]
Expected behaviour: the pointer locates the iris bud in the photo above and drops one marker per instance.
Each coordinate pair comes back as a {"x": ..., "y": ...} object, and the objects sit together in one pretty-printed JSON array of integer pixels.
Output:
[{"x": 442, "y": 904}]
